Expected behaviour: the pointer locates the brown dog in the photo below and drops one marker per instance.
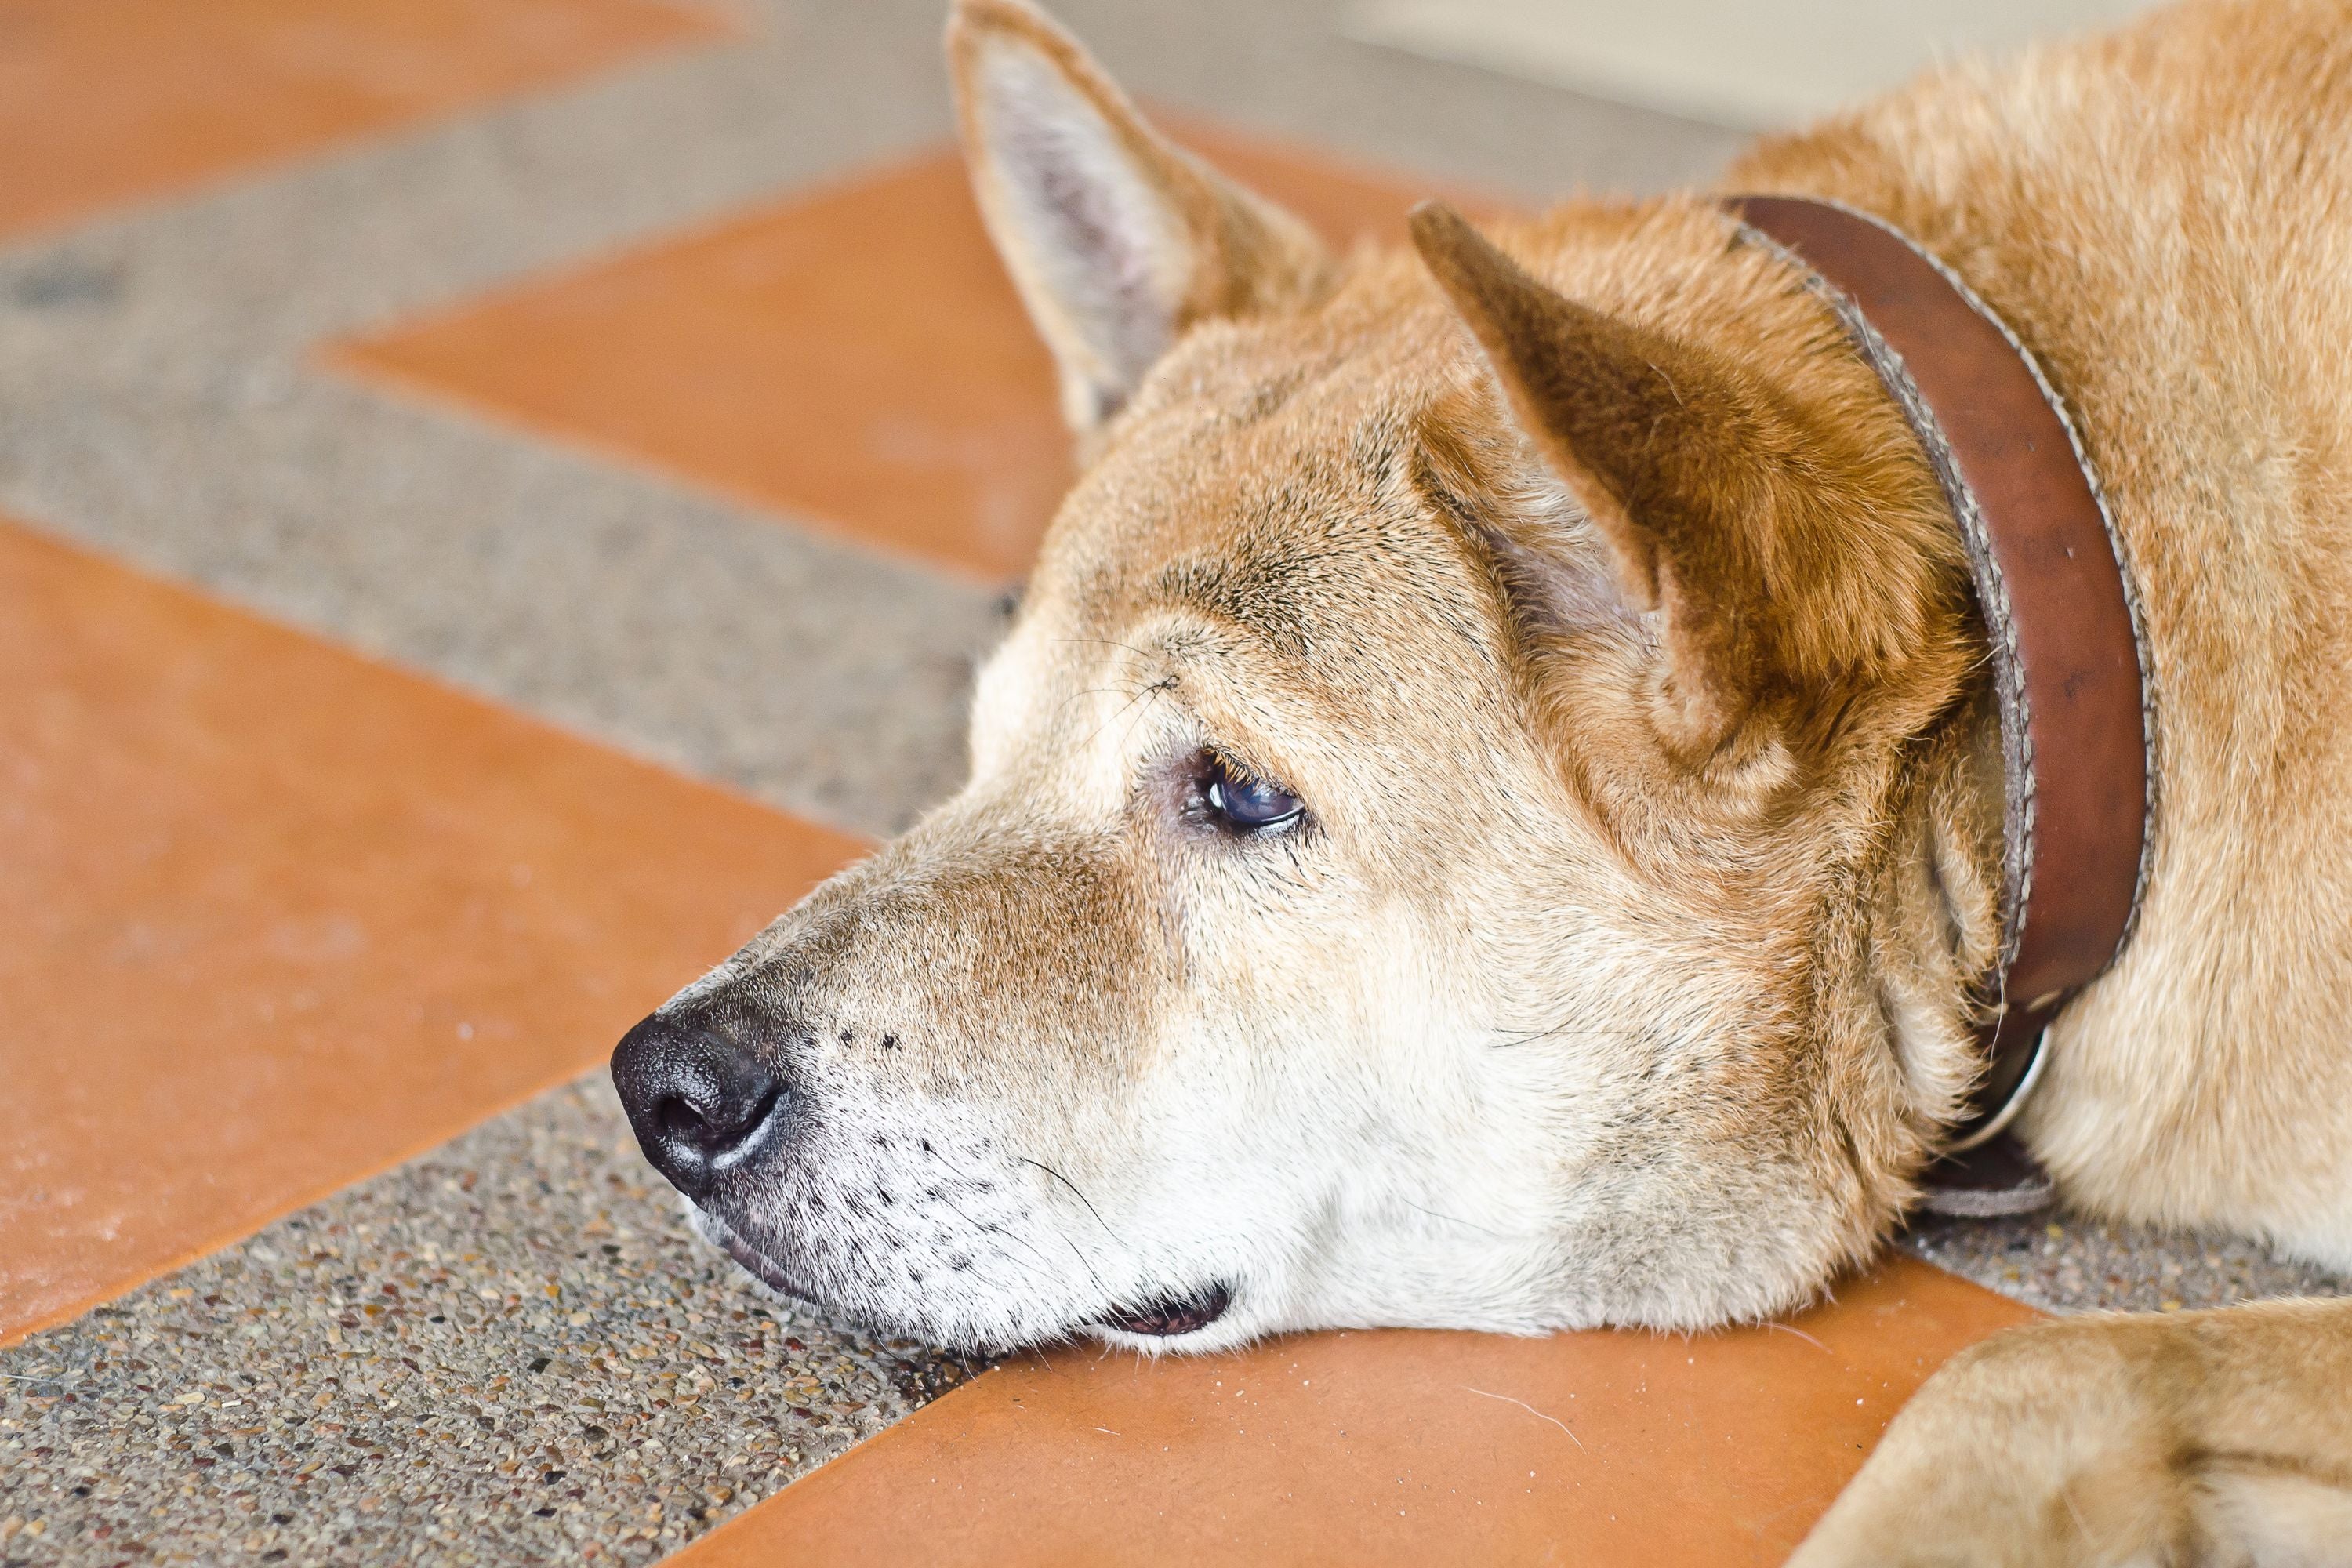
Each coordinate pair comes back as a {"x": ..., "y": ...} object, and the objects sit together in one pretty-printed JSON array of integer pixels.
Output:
[{"x": 1491, "y": 812}]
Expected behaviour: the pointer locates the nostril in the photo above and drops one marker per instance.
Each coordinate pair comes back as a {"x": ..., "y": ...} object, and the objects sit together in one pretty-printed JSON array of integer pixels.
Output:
[
  {"x": 676, "y": 1118},
  {"x": 719, "y": 1129}
]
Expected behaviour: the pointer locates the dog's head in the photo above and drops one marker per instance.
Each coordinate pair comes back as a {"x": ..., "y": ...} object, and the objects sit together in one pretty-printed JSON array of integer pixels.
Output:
[{"x": 1477, "y": 820}]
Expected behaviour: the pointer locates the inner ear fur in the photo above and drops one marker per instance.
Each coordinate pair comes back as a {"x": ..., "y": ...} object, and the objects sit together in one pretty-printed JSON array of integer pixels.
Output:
[
  {"x": 1118, "y": 239},
  {"x": 1783, "y": 565}
]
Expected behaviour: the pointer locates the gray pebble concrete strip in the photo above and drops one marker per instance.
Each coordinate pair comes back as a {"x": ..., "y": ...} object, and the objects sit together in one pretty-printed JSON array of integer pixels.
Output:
[
  {"x": 2065, "y": 1263},
  {"x": 508, "y": 1351}
]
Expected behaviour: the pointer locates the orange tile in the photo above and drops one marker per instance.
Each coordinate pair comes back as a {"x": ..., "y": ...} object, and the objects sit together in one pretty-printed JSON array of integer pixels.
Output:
[
  {"x": 1607, "y": 1450},
  {"x": 103, "y": 102},
  {"x": 856, "y": 358},
  {"x": 277, "y": 917}
]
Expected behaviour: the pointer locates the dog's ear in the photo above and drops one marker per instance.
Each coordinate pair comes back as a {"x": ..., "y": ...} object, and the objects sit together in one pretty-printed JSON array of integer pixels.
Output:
[
  {"x": 1740, "y": 527},
  {"x": 1117, "y": 239}
]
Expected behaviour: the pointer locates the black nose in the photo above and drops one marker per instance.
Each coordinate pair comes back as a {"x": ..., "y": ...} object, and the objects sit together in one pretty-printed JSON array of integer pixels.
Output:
[{"x": 699, "y": 1102}]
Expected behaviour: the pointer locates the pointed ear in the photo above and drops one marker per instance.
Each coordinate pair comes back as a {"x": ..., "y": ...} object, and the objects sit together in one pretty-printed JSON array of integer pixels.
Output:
[
  {"x": 1118, "y": 239},
  {"x": 1723, "y": 511}
]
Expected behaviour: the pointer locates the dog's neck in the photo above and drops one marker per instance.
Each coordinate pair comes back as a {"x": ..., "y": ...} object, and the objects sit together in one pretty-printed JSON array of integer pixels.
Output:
[{"x": 2055, "y": 603}]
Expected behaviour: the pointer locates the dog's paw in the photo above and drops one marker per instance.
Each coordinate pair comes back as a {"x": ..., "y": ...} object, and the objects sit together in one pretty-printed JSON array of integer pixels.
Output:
[{"x": 2206, "y": 1438}]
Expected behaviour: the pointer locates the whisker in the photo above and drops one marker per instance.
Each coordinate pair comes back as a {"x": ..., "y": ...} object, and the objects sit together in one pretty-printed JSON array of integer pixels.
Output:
[
  {"x": 1042, "y": 1270},
  {"x": 1131, "y": 692},
  {"x": 1107, "y": 642},
  {"x": 1113, "y": 718},
  {"x": 1079, "y": 1195},
  {"x": 1455, "y": 1219},
  {"x": 1155, "y": 693},
  {"x": 977, "y": 1229},
  {"x": 1083, "y": 1261},
  {"x": 1530, "y": 1037}
]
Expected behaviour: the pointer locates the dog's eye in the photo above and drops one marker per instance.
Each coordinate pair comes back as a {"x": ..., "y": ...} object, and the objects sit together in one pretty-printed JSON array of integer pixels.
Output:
[{"x": 1246, "y": 804}]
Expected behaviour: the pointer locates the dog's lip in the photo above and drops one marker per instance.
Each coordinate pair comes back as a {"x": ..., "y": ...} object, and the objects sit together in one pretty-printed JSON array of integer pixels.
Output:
[
  {"x": 1177, "y": 1313},
  {"x": 1168, "y": 1316},
  {"x": 754, "y": 1262}
]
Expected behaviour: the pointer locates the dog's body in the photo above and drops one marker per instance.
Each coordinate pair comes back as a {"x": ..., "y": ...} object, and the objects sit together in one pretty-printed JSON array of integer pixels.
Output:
[
  {"x": 1502, "y": 827},
  {"x": 2166, "y": 219}
]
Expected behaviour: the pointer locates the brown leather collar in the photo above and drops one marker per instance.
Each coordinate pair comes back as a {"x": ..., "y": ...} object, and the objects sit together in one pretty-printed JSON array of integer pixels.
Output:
[{"x": 2063, "y": 625}]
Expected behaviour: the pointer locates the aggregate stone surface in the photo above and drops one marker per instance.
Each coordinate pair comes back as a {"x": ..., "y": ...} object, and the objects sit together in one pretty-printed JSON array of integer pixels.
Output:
[
  {"x": 2065, "y": 1263},
  {"x": 508, "y": 1351}
]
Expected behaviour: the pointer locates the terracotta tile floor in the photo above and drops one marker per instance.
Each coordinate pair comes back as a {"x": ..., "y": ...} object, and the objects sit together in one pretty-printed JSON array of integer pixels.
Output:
[
  {"x": 279, "y": 917},
  {"x": 854, "y": 359},
  {"x": 102, "y": 102},
  {"x": 1612, "y": 1451}
]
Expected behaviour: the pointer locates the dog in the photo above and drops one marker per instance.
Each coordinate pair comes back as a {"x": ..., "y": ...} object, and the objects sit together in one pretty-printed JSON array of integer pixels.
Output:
[{"x": 1453, "y": 841}]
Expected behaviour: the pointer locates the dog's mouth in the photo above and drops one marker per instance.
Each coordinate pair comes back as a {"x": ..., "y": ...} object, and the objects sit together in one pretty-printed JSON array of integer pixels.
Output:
[
  {"x": 751, "y": 1261},
  {"x": 1172, "y": 1314},
  {"x": 1165, "y": 1317}
]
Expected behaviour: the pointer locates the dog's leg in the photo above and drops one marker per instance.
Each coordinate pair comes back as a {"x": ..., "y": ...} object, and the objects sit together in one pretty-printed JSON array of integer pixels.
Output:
[{"x": 2220, "y": 1438}]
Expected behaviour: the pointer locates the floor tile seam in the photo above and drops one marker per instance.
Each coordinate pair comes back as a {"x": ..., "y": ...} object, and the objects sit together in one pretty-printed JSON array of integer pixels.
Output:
[
  {"x": 280, "y": 589},
  {"x": 243, "y": 1231},
  {"x": 607, "y": 193},
  {"x": 450, "y": 175},
  {"x": 672, "y": 761},
  {"x": 700, "y": 24},
  {"x": 515, "y": 1157},
  {"x": 350, "y": 363}
]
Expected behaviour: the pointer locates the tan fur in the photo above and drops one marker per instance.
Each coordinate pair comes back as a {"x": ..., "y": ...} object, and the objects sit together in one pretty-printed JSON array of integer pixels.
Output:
[
  {"x": 2166, "y": 217},
  {"x": 2218, "y": 1438},
  {"x": 1602, "y": 609}
]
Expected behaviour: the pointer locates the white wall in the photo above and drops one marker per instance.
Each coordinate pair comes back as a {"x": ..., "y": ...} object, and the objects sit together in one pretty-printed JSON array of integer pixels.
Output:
[{"x": 1761, "y": 63}]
